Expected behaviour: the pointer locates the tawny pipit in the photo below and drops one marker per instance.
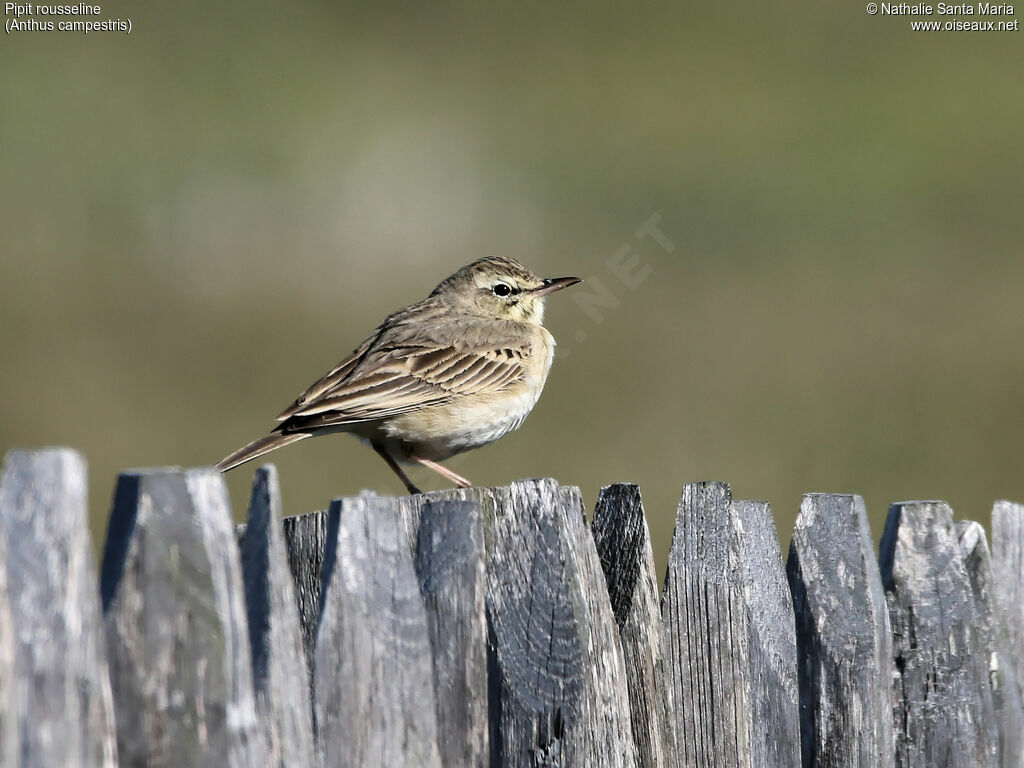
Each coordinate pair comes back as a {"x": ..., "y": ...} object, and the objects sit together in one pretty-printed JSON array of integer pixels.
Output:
[{"x": 454, "y": 372}]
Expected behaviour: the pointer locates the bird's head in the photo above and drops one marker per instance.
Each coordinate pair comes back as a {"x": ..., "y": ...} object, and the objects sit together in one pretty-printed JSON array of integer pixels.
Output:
[{"x": 501, "y": 288}]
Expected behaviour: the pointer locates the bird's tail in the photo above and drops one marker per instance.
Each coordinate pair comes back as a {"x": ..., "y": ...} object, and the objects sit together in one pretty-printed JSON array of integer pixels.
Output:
[{"x": 257, "y": 448}]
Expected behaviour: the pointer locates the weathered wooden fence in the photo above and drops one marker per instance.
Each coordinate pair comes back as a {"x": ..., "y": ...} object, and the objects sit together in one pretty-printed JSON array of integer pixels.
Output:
[{"x": 493, "y": 627}]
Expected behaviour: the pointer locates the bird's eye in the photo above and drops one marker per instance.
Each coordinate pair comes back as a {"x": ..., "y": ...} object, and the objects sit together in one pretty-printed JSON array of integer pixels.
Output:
[{"x": 501, "y": 289}]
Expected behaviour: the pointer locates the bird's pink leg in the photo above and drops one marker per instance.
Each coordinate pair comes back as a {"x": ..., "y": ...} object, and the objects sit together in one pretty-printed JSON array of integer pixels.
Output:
[
  {"x": 397, "y": 470},
  {"x": 442, "y": 470}
]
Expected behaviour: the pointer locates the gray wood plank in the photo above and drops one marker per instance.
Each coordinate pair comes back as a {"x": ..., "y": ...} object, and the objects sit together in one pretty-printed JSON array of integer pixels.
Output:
[
  {"x": 8, "y": 687},
  {"x": 564, "y": 697},
  {"x": 623, "y": 543},
  {"x": 729, "y": 639},
  {"x": 1002, "y": 671},
  {"x": 775, "y": 693},
  {"x": 64, "y": 707},
  {"x": 843, "y": 636},
  {"x": 705, "y": 634},
  {"x": 607, "y": 722},
  {"x": 175, "y": 624},
  {"x": 450, "y": 567},
  {"x": 280, "y": 674},
  {"x": 944, "y": 714},
  {"x": 1008, "y": 569},
  {"x": 374, "y": 699},
  {"x": 305, "y": 538},
  {"x": 556, "y": 672}
]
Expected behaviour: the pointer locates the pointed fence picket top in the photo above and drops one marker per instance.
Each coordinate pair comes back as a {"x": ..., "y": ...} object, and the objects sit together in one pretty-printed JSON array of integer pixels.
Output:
[
  {"x": 724, "y": 662},
  {"x": 177, "y": 637},
  {"x": 373, "y": 681},
  {"x": 444, "y": 531},
  {"x": 945, "y": 715},
  {"x": 701, "y": 613},
  {"x": 1003, "y": 673},
  {"x": 844, "y": 643},
  {"x": 450, "y": 566},
  {"x": 62, "y": 711},
  {"x": 623, "y": 543},
  {"x": 557, "y": 675},
  {"x": 1008, "y": 571},
  {"x": 280, "y": 675},
  {"x": 564, "y": 696},
  {"x": 305, "y": 538},
  {"x": 775, "y": 698},
  {"x": 8, "y": 681}
]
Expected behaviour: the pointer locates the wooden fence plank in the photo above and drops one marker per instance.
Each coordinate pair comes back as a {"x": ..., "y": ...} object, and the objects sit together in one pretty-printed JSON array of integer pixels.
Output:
[
  {"x": 280, "y": 674},
  {"x": 450, "y": 568},
  {"x": 708, "y": 659},
  {"x": 1008, "y": 568},
  {"x": 604, "y": 736},
  {"x": 175, "y": 623},
  {"x": 8, "y": 689},
  {"x": 624, "y": 546},
  {"x": 557, "y": 675},
  {"x": 64, "y": 708},
  {"x": 729, "y": 635},
  {"x": 843, "y": 636},
  {"x": 698, "y": 610},
  {"x": 944, "y": 714},
  {"x": 775, "y": 694},
  {"x": 563, "y": 697},
  {"x": 1002, "y": 671},
  {"x": 374, "y": 699},
  {"x": 305, "y": 538}
]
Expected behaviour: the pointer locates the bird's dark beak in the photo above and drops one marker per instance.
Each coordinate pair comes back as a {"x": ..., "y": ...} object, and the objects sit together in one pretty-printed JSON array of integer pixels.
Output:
[{"x": 552, "y": 284}]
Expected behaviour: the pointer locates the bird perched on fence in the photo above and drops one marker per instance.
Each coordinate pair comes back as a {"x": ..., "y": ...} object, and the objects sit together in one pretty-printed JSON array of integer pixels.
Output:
[{"x": 454, "y": 372}]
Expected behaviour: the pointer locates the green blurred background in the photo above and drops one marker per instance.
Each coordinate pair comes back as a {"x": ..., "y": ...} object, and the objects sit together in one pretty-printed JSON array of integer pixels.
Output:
[{"x": 204, "y": 216}]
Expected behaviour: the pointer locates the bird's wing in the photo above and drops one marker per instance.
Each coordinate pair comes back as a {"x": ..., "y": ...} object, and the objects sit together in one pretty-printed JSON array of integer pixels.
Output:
[
  {"x": 406, "y": 379},
  {"x": 329, "y": 380}
]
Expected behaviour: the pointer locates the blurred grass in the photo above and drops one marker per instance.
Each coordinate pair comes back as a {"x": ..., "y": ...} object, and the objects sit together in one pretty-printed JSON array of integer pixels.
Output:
[{"x": 204, "y": 216}]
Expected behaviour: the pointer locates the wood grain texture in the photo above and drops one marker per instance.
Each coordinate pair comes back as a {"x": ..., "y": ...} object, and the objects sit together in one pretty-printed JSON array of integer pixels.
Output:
[
  {"x": 944, "y": 714},
  {"x": 731, "y": 652},
  {"x": 1008, "y": 570},
  {"x": 8, "y": 688},
  {"x": 708, "y": 659},
  {"x": 564, "y": 697},
  {"x": 775, "y": 694},
  {"x": 280, "y": 674},
  {"x": 64, "y": 710},
  {"x": 175, "y": 624},
  {"x": 491, "y": 626},
  {"x": 374, "y": 698},
  {"x": 623, "y": 543},
  {"x": 1002, "y": 669},
  {"x": 305, "y": 538},
  {"x": 843, "y": 636},
  {"x": 450, "y": 566},
  {"x": 556, "y": 673}
]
